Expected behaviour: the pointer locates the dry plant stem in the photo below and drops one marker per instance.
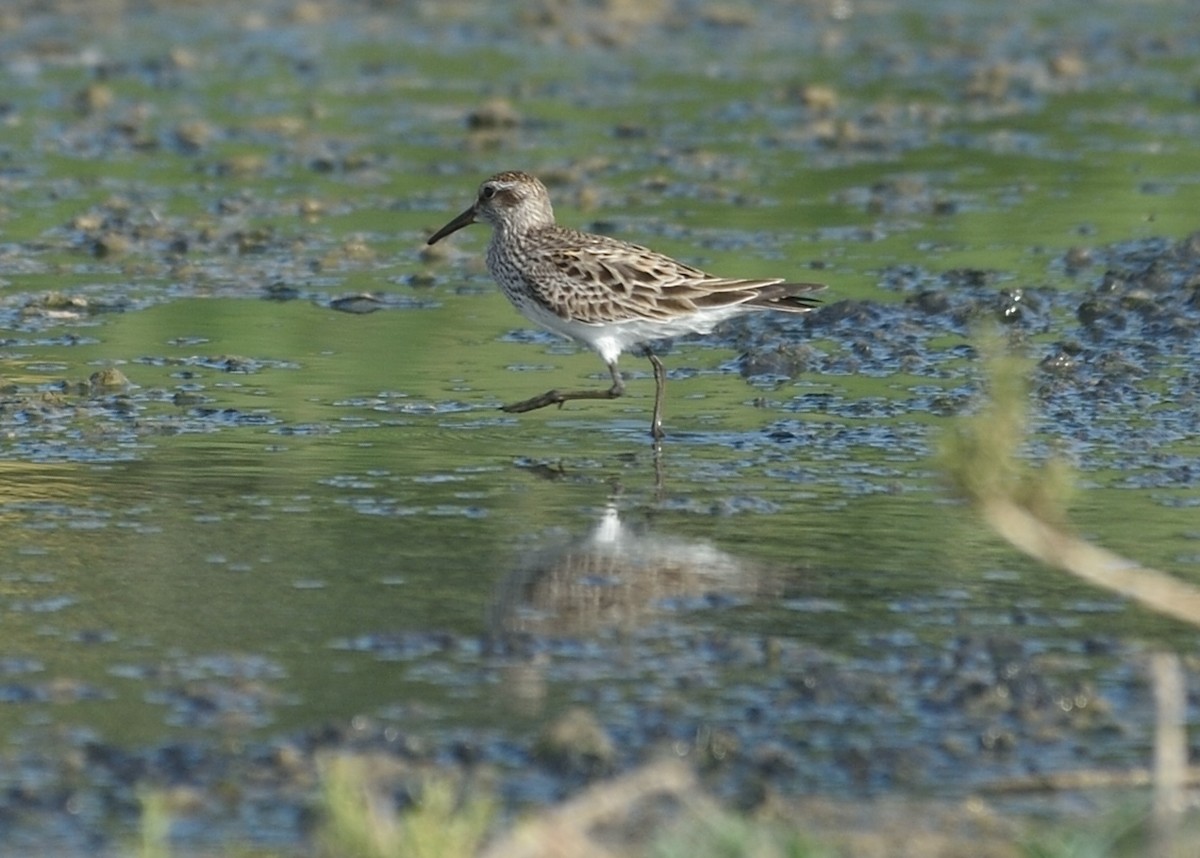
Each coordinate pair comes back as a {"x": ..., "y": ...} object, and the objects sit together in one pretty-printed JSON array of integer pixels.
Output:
[
  {"x": 564, "y": 831},
  {"x": 1138, "y": 777},
  {"x": 1170, "y": 750},
  {"x": 1033, "y": 536}
]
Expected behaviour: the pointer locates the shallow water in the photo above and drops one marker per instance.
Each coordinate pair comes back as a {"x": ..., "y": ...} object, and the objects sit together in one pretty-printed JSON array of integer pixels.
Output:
[{"x": 294, "y": 516}]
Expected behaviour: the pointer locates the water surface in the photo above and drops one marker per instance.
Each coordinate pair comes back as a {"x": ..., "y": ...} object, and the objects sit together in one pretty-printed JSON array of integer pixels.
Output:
[{"x": 294, "y": 516}]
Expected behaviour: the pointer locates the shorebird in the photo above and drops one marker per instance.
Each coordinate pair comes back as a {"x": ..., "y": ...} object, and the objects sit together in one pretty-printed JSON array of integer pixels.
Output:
[{"x": 605, "y": 293}]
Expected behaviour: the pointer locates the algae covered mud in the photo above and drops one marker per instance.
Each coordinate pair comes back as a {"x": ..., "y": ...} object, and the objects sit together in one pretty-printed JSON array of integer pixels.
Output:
[{"x": 257, "y": 500}]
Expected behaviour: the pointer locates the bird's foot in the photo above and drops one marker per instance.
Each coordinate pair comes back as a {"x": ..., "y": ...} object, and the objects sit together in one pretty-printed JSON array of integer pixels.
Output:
[{"x": 558, "y": 397}]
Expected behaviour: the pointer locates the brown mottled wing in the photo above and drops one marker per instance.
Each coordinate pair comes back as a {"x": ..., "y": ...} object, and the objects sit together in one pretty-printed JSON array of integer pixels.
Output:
[{"x": 606, "y": 280}]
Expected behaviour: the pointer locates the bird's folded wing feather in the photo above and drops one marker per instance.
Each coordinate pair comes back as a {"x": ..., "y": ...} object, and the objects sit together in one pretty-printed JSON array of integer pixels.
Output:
[{"x": 616, "y": 282}]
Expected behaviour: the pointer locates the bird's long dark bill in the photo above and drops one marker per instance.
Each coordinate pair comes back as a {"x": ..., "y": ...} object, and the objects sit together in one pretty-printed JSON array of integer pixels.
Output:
[{"x": 465, "y": 219}]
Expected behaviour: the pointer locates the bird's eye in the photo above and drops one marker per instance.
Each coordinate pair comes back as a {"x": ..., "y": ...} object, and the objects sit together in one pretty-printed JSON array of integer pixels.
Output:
[{"x": 489, "y": 191}]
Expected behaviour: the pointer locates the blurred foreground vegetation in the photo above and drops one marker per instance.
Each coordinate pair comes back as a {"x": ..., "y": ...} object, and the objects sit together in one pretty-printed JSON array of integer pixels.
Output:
[{"x": 630, "y": 817}]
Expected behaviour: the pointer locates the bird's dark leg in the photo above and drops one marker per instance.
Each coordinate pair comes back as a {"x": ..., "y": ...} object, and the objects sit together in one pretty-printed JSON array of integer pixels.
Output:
[
  {"x": 660, "y": 389},
  {"x": 558, "y": 397}
]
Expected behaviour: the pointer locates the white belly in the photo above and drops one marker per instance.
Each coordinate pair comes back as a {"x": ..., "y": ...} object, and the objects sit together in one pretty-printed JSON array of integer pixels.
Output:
[{"x": 609, "y": 339}]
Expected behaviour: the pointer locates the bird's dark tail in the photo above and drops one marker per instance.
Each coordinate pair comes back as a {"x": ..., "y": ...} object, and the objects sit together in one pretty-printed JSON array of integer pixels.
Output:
[{"x": 788, "y": 297}]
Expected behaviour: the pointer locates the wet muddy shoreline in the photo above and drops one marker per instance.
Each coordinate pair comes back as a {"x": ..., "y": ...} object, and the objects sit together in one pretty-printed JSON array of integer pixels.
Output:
[{"x": 260, "y": 507}]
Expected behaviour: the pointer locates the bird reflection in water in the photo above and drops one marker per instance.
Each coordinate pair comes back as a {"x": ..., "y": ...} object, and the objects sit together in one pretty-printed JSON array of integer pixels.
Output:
[
  {"x": 615, "y": 577},
  {"x": 618, "y": 576}
]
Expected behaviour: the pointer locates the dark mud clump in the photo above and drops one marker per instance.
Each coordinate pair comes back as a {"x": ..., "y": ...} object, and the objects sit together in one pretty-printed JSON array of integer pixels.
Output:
[{"x": 1116, "y": 357}]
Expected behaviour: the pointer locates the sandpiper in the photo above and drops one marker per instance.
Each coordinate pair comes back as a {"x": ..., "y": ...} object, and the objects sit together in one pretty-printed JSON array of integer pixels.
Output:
[{"x": 610, "y": 295}]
